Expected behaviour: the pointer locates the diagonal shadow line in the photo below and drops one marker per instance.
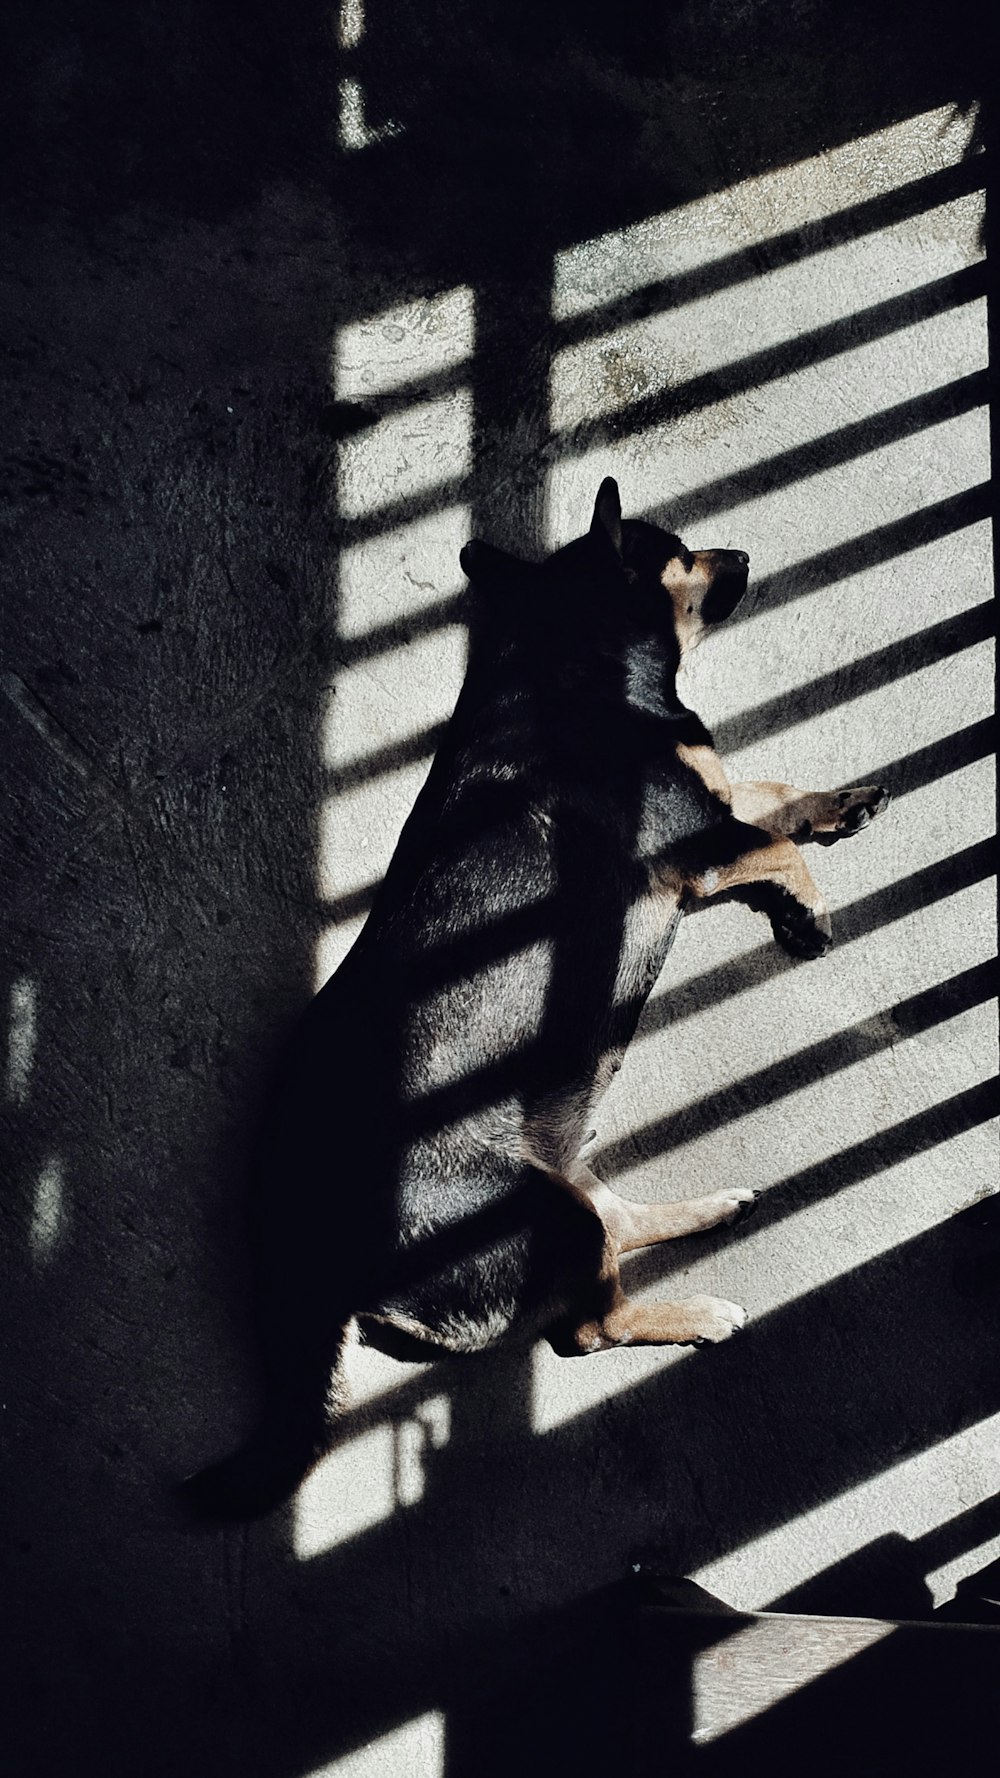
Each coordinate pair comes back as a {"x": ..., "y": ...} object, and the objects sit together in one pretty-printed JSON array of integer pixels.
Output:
[
  {"x": 961, "y": 870},
  {"x": 872, "y": 548},
  {"x": 461, "y": 957},
  {"x": 914, "y": 1135},
  {"x": 974, "y": 864},
  {"x": 817, "y": 1061},
  {"x": 489, "y": 1085},
  {"x": 884, "y": 666},
  {"x": 925, "y": 765},
  {"x": 910, "y": 772},
  {"x": 830, "y": 449},
  {"x": 340, "y": 908},
  {"x": 394, "y": 514},
  {"x": 381, "y": 404},
  {"x": 390, "y": 758},
  {"x": 861, "y": 327},
  {"x": 953, "y": 1537},
  {"x": 917, "y": 1134},
  {"x": 793, "y": 245},
  {"x": 883, "y": 907},
  {"x": 407, "y": 627},
  {"x": 854, "y": 1318},
  {"x": 869, "y": 550},
  {"x": 502, "y": 1079},
  {"x": 860, "y": 438}
]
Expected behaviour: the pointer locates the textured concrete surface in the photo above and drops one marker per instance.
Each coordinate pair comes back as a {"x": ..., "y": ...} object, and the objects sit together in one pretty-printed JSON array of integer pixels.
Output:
[{"x": 294, "y": 306}]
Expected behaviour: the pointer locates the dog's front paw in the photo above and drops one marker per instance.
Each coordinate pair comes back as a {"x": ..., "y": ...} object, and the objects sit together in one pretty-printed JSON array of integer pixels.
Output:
[
  {"x": 849, "y": 811},
  {"x": 713, "y": 1319},
  {"x": 802, "y": 931}
]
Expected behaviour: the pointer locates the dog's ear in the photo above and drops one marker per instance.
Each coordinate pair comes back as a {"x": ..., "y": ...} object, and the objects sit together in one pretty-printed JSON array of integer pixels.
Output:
[
  {"x": 489, "y": 568},
  {"x": 607, "y": 520}
]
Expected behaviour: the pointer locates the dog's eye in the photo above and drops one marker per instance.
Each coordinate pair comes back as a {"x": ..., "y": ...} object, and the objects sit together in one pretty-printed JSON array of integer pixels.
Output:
[{"x": 690, "y": 609}]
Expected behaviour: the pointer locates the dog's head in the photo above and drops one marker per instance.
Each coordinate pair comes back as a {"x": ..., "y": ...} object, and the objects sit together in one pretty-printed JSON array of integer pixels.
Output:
[
  {"x": 703, "y": 587},
  {"x": 628, "y": 567}
]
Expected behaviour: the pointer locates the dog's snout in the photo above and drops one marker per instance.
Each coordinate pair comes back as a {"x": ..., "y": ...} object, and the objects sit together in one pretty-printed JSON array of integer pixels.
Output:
[{"x": 728, "y": 585}]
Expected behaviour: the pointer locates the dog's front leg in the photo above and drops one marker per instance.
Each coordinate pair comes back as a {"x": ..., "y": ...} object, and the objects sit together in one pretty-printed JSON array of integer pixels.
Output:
[
  {"x": 800, "y": 814},
  {"x": 767, "y": 872}
]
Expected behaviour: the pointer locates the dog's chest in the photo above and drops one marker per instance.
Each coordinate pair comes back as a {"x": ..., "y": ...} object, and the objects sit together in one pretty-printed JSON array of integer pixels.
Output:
[{"x": 684, "y": 797}]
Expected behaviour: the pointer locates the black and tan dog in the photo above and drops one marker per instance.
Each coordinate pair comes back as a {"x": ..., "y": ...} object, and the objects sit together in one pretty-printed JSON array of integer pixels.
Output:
[{"x": 418, "y": 1169}]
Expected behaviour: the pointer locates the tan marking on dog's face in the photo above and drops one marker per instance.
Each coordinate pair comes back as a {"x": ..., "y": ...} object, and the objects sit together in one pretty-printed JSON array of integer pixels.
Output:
[
  {"x": 688, "y": 577},
  {"x": 709, "y": 767},
  {"x": 687, "y": 587}
]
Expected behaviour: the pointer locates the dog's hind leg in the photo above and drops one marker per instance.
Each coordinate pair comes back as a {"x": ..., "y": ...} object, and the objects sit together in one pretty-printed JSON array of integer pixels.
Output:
[
  {"x": 605, "y": 1317},
  {"x": 630, "y": 1225},
  {"x": 597, "y": 1314},
  {"x": 696, "y": 1321},
  {"x": 801, "y": 814},
  {"x": 303, "y": 1392}
]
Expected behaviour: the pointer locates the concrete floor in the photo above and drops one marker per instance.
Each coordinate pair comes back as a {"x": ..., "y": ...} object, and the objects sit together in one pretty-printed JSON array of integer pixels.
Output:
[{"x": 297, "y": 305}]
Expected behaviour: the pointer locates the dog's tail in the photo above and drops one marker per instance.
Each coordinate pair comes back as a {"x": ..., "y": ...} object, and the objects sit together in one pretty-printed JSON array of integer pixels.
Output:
[
  {"x": 260, "y": 1476},
  {"x": 296, "y": 1430}
]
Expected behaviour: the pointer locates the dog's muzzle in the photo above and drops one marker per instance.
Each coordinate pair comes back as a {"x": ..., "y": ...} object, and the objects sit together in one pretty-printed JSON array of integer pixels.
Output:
[{"x": 728, "y": 586}]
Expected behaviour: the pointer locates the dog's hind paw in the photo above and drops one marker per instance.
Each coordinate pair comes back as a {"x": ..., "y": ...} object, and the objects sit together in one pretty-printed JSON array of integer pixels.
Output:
[
  {"x": 738, "y": 1201},
  {"x": 724, "y": 1206},
  {"x": 714, "y": 1319}
]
